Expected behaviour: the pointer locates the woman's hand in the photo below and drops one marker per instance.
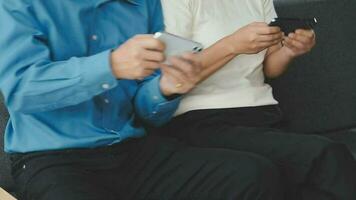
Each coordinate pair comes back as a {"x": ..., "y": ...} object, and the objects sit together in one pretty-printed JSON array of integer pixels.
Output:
[
  {"x": 254, "y": 38},
  {"x": 181, "y": 76},
  {"x": 295, "y": 44},
  {"x": 299, "y": 43}
]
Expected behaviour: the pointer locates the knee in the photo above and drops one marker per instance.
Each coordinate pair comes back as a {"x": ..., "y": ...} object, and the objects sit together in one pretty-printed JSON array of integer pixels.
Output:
[
  {"x": 318, "y": 145},
  {"x": 261, "y": 178},
  {"x": 264, "y": 172}
]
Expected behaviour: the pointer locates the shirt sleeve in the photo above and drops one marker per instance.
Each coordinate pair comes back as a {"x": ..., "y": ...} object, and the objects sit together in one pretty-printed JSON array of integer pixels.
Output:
[
  {"x": 178, "y": 17},
  {"x": 150, "y": 104},
  {"x": 30, "y": 80},
  {"x": 269, "y": 10},
  {"x": 156, "y": 17}
]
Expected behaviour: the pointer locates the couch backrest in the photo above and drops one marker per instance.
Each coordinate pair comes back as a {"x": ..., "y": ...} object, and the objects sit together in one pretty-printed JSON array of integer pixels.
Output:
[
  {"x": 318, "y": 93},
  {"x": 5, "y": 179}
]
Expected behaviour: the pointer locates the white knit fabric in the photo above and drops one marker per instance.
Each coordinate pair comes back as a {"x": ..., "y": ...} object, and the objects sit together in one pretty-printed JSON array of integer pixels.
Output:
[{"x": 241, "y": 82}]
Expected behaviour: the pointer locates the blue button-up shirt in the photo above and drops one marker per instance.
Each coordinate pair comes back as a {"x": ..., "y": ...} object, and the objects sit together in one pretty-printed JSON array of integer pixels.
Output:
[{"x": 56, "y": 77}]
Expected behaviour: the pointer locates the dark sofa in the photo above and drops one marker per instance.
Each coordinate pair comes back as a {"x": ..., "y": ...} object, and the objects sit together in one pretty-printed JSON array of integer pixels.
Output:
[
  {"x": 318, "y": 93},
  {"x": 5, "y": 177}
]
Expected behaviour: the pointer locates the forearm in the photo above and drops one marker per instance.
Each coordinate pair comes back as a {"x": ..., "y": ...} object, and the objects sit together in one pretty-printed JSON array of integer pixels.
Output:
[
  {"x": 216, "y": 56},
  {"x": 36, "y": 76},
  {"x": 276, "y": 63},
  {"x": 47, "y": 86}
]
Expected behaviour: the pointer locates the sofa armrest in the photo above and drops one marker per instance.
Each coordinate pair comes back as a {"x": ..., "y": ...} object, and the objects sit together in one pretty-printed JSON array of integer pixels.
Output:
[{"x": 5, "y": 195}]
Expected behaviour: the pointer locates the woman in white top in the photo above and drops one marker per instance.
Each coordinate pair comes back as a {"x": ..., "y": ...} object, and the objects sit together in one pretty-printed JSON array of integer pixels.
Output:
[{"x": 233, "y": 107}]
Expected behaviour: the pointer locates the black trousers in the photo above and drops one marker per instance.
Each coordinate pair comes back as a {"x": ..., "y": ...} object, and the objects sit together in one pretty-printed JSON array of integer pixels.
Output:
[
  {"x": 313, "y": 167},
  {"x": 150, "y": 168}
]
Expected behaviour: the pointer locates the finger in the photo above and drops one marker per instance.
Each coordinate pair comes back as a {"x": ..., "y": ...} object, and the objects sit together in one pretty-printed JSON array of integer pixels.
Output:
[
  {"x": 182, "y": 65},
  {"x": 190, "y": 70},
  {"x": 146, "y": 73},
  {"x": 277, "y": 41},
  {"x": 265, "y": 45},
  {"x": 268, "y": 30},
  {"x": 301, "y": 38},
  {"x": 269, "y": 38},
  {"x": 154, "y": 56},
  {"x": 152, "y": 44},
  {"x": 307, "y": 33},
  {"x": 194, "y": 59},
  {"x": 295, "y": 43},
  {"x": 162, "y": 65},
  {"x": 189, "y": 57},
  {"x": 291, "y": 47},
  {"x": 196, "y": 65},
  {"x": 143, "y": 36},
  {"x": 270, "y": 43},
  {"x": 174, "y": 74},
  {"x": 149, "y": 65}
]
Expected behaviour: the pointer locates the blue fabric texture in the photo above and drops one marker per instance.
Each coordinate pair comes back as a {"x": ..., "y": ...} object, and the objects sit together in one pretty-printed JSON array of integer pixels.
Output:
[{"x": 55, "y": 73}]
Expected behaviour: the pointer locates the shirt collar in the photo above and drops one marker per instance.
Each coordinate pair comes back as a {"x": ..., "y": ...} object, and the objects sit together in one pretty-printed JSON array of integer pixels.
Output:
[{"x": 100, "y": 2}]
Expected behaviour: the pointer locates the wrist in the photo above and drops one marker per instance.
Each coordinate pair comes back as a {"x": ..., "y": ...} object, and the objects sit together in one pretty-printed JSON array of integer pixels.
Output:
[
  {"x": 166, "y": 93},
  {"x": 231, "y": 46},
  {"x": 116, "y": 68},
  {"x": 164, "y": 90},
  {"x": 169, "y": 96},
  {"x": 288, "y": 53},
  {"x": 112, "y": 63}
]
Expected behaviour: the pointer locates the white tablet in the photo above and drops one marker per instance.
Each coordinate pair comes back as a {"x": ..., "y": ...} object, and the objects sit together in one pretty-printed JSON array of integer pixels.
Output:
[{"x": 176, "y": 46}]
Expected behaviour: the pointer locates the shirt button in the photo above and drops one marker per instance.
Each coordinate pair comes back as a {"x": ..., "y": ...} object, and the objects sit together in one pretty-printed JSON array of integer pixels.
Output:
[
  {"x": 24, "y": 167},
  {"x": 155, "y": 97},
  {"x": 94, "y": 37},
  {"x": 106, "y": 101},
  {"x": 105, "y": 86},
  {"x": 154, "y": 112}
]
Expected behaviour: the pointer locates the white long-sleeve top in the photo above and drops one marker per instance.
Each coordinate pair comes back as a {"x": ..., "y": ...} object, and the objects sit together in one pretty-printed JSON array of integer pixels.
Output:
[{"x": 241, "y": 83}]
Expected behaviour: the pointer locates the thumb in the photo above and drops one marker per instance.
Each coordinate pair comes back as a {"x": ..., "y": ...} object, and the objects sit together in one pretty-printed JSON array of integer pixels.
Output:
[{"x": 188, "y": 56}]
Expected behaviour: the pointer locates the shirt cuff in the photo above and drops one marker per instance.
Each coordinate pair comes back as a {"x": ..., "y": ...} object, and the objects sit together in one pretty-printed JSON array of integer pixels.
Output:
[
  {"x": 161, "y": 103},
  {"x": 97, "y": 73},
  {"x": 158, "y": 107}
]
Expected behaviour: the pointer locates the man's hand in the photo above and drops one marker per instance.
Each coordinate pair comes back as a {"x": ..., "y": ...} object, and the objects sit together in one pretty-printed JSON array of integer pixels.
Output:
[
  {"x": 299, "y": 43},
  {"x": 254, "y": 38},
  {"x": 181, "y": 76},
  {"x": 138, "y": 58}
]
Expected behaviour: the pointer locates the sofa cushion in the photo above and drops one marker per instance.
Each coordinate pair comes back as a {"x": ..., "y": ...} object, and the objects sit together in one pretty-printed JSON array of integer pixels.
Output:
[
  {"x": 347, "y": 137},
  {"x": 318, "y": 93},
  {"x": 5, "y": 178}
]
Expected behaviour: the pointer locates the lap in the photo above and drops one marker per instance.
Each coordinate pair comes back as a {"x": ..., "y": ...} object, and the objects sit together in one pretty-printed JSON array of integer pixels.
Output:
[
  {"x": 61, "y": 175},
  {"x": 303, "y": 160},
  {"x": 347, "y": 137},
  {"x": 153, "y": 168},
  {"x": 170, "y": 170},
  {"x": 293, "y": 153},
  {"x": 59, "y": 182}
]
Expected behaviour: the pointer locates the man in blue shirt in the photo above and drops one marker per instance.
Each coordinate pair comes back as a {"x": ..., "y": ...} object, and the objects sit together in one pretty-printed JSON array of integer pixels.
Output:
[{"x": 79, "y": 79}]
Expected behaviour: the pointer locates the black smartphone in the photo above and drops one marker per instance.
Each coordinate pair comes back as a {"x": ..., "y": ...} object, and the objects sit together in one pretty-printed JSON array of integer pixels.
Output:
[{"x": 290, "y": 25}]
